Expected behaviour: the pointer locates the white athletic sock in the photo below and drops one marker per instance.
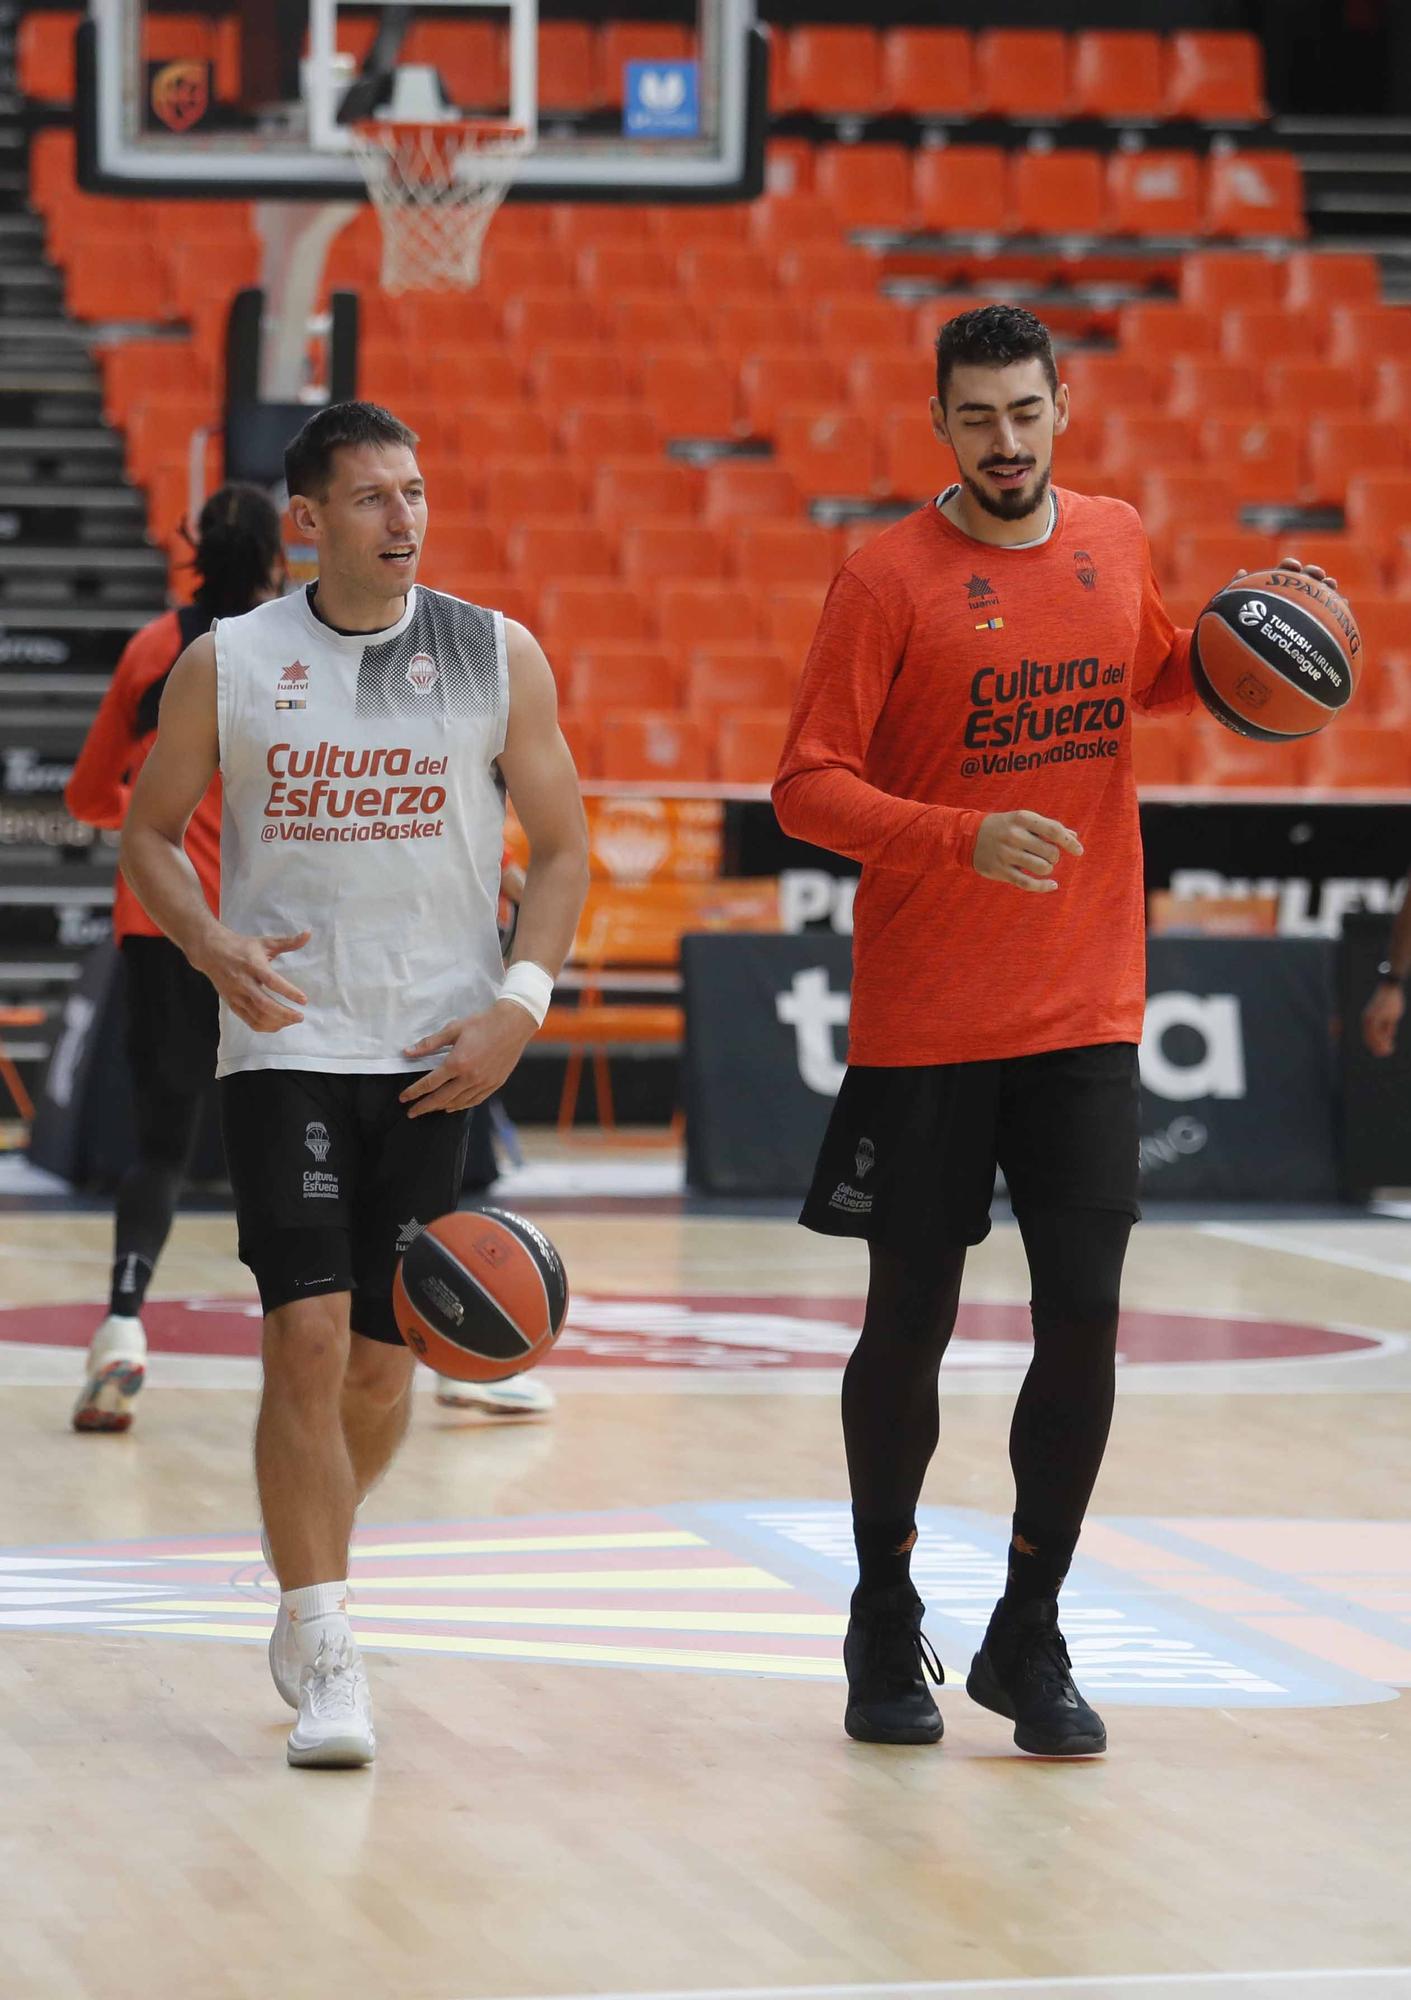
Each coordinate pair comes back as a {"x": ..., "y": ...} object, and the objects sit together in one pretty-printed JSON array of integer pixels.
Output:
[{"x": 317, "y": 1612}]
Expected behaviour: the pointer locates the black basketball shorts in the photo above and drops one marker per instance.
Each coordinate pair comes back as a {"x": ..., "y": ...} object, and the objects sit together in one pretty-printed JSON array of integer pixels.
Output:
[
  {"x": 909, "y": 1156},
  {"x": 332, "y": 1180}
]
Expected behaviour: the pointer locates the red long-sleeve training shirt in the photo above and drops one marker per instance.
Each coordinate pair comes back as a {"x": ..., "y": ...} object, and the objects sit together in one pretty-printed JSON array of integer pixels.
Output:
[
  {"x": 950, "y": 678},
  {"x": 115, "y": 750}
]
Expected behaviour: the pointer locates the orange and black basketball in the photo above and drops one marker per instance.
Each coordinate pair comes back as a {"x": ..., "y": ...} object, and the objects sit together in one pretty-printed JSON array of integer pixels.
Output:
[
  {"x": 1276, "y": 655},
  {"x": 480, "y": 1295}
]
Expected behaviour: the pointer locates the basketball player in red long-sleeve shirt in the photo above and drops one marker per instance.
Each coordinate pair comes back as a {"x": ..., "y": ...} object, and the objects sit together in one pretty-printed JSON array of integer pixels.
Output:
[{"x": 963, "y": 730}]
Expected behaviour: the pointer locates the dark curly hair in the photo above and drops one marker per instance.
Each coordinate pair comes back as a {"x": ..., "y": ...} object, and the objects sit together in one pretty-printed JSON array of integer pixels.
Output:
[
  {"x": 238, "y": 549},
  {"x": 992, "y": 337}
]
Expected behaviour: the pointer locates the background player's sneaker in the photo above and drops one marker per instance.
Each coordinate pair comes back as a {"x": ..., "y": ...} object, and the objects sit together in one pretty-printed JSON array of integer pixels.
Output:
[
  {"x": 116, "y": 1370},
  {"x": 284, "y": 1663},
  {"x": 1022, "y": 1671},
  {"x": 517, "y": 1396},
  {"x": 334, "y": 1728},
  {"x": 887, "y": 1659}
]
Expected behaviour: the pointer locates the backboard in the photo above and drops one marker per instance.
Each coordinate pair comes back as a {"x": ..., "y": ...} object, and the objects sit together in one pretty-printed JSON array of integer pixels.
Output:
[{"x": 248, "y": 99}]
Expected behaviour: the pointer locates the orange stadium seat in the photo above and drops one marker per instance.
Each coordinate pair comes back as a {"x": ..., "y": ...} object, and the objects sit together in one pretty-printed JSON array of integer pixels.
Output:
[
  {"x": 470, "y": 56},
  {"x": 1173, "y": 503},
  {"x": 1215, "y": 280},
  {"x": 647, "y": 489},
  {"x": 1021, "y": 73},
  {"x": 1390, "y": 388},
  {"x": 739, "y": 328},
  {"x": 1377, "y": 506},
  {"x": 701, "y": 225},
  {"x": 1255, "y": 194},
  {"x": 578, "y": 613},
  {"x": 675, "y": 551},
  {"x": 622, "y": 42},
  {"x": 851, "y": 325},
  {"x": 1221, "y": 758},
  {"x": 45, "y": 56},
  {"x": 748, "y": 744},
  {"x": 1156, "y": 333},
  {"x": 543, "y": 489},
  {"x": 826, "y": 451},
  {"x": 511, "y": 268},
  {"x": 1365, "y": 334},
  {"x": 566, "y": 79},
  {"x": 621, "y": 429},
  {"x": 833, "y": 69},
  {"x": 137, "y": 368},
  {"x": 1206, "y": 560},
  {"x": 1155, "y": 193},
  {"x": 1135, "y": 440},
  {"x": 611, "y": 269},
  {"x": 927, "y": 70},
  {"x": 473, "y": 546},
  {"x": 768, "y": 552},
  {"x": 1351, "y": 756},
  {"x": 724, "y": 270},
  {"x": 1312, "y": 388},
  {"x": 1117, "y": 75},
  {"x": 689, "y": 614},
  {"x": 869, "y": 186},
  {"x": 1325, "y": 278},
  {"x": 1102, "y": 382},
  {"x": 1352, "y": 564},
  {"x": 544, "y": 549},
  {"x": 558, "y": 313},
  {"x": 116, "y": 280},
  {"x": 964, "y": 189},
  {"x": 1216, "y": 76},
  {"x": 778, "y": 222},
  {"x": 640, "y": 321},
  {"x": 788, "y": 166},
  {"x": 776, "y": 378},
  {"x": 887, "y": 378},
  {"x": 1058, "y": 194},
  {"x": 911, "y": 462},
  {"x": 498, "y": 378},
  {"x": 1199, "y": 386},
  {"x": 739, "y": 676},
  {"x": 824, "y": 271},
  {"x": 1263, "y": 461},
  {"x": 791, "y": 614},
  {"x": 641, "y": 748},
  {"x": 581, "y": 733},
  {"x": 1258, "y": 335},
  {"x": 579, "y": 225},
  {"x": 1338, "y": 447},
  {"x": 608, "y": 675},
  {"x": 691, "y": 395},
  {"x": 1159, "y": 753},
  {"x": 743, "y": 489}
]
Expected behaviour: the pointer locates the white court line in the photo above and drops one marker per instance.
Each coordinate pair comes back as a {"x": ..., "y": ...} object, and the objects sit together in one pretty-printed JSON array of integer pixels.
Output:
[
  {"x": 1002, "y": 1989},
  {"x": 1268, "y": 1239}
]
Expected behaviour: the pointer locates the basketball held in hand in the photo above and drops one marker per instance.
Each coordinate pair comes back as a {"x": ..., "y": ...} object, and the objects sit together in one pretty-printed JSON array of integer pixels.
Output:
[
  {"x": 1276, "y": 655},
  {"x": 480, "y": 1295}
]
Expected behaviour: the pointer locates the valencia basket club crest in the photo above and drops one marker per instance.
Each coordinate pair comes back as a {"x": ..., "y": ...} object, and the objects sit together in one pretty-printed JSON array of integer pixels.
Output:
[
  {"x": 422, "y": 673},
  {"x": 180, "y": 93}
]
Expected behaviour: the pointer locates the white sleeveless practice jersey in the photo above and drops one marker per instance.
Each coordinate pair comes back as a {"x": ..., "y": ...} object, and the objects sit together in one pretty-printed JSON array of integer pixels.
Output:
[{"x": 363, "y": 803}]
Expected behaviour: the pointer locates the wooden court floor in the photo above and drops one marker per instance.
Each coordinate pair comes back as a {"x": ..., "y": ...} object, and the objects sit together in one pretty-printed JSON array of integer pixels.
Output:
[{"x": 604, "y": 1650}]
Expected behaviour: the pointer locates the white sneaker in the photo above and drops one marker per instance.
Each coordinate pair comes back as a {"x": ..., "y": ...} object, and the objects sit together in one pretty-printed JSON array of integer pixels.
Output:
[
  {"x": 517, "y": 1396},
  {"x": 335, "y": 1711},
  {"x": 116, "y": 1370},
  {"x": 284, "y": 1663}
]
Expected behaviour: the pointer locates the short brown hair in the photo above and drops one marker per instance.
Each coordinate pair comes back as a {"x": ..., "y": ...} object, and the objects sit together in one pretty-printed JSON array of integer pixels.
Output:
[{"x": 308, "y": 457}]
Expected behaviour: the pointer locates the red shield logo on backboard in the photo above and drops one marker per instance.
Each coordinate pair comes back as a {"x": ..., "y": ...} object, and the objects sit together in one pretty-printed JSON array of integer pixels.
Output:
[{"x": 181, "y": 94}]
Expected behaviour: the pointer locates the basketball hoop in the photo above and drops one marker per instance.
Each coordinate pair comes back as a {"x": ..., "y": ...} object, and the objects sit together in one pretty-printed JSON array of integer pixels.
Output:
[{"x": 436, "y": 186}]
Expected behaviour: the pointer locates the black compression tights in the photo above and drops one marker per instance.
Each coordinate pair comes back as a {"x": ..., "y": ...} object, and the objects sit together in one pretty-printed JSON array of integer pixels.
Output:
[
  {"x": 891, "y": 1414},
  {"x": 167, "y": 1120}
]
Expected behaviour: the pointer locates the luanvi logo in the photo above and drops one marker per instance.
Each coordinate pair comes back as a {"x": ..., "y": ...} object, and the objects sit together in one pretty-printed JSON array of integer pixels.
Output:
[{"x": 981, "y": 593}]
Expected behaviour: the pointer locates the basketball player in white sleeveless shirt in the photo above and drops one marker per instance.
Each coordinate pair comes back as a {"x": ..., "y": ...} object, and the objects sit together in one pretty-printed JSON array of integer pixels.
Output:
[{"x": 365, "y": 731}]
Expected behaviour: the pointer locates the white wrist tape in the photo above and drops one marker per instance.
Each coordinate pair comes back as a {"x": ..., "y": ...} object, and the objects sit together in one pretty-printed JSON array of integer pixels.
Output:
[{"x": 530, "y": 987}]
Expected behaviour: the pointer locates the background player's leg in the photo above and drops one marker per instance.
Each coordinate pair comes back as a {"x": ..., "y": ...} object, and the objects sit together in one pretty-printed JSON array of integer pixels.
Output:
[
  {"x": 376, "y": 1407},
  {"x": 302, "y": 1462},
  {"x": 167, "y": 1120}
]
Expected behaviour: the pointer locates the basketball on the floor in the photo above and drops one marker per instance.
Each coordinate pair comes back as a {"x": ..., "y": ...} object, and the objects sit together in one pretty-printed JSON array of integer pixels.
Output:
[
  {"x": 1276, "y": 655},
  {"x": 480, "y": 1295}
]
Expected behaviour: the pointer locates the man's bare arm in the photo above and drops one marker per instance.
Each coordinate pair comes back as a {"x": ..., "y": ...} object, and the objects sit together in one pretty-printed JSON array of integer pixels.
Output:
[
  {"x": 172, "y": 783},
  {"x": 539, "y": 774}
]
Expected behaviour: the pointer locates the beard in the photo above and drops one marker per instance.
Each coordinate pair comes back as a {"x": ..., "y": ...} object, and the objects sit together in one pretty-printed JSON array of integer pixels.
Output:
[{"x": 1014, "y": 504}]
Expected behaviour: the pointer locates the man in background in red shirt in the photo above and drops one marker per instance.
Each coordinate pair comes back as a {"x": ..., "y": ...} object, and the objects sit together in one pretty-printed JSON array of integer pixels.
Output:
[
  {"x": 963, "y": 729},
  {"x": 171, "y": 1010}
]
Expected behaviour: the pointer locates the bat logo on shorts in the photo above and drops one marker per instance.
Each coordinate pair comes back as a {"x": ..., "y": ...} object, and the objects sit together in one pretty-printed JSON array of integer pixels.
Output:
[
  {"x": 865, "y": 1158},
  {"x": 317, "y": 1140}
]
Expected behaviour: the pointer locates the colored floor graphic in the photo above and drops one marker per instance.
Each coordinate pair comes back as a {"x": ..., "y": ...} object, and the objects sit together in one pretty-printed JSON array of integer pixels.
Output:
[
  {"x": 1158, "y": 1613},
  {"x": 705, "y": 1332}
]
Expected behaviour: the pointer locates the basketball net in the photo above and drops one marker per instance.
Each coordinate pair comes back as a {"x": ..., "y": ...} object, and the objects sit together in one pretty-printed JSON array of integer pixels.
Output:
[{"x": 436, "y": 187}]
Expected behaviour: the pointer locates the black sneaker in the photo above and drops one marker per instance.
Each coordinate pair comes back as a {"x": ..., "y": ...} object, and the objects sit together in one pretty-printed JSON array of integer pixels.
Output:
[
  {"x": 1022, "y": 1671},
  {"x": 885, "y": 1654}
]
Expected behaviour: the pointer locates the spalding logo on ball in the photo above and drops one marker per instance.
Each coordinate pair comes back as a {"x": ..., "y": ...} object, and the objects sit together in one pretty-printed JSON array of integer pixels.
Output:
[
  {"x": 1276, "y": 655},
  {"x": 480, "y": 1295}
]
